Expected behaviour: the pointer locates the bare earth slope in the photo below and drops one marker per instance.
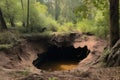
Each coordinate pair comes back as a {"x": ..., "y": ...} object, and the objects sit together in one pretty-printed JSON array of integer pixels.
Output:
[{"x": 18, "y": 64}]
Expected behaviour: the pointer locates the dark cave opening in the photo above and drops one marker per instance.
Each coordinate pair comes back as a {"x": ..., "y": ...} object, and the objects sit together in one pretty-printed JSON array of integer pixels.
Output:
[{"x": 60, "y": 58}]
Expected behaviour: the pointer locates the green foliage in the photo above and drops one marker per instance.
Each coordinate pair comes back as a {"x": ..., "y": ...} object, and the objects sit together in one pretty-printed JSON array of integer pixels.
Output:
[
  {"x": 51, "y": 24},
  {"x": 5, "y": 46},
  {"x": 11, "y": 10},
  {"x": 90, "y": 26},
  {"x": 52, "y": 78},
  {"x": 101, "y": 31},
  {"x": 40, "y": 19},
  {"x": 36, "y": 19},
  {"x": 23, "y": 73},
  {"x": 20, "y": 73},
  {"x": 42, "y": 9},
  {"x": 85, "y": 26},
  {"x": 58, "y": 16},
  {"x": 67, "y": 27}
]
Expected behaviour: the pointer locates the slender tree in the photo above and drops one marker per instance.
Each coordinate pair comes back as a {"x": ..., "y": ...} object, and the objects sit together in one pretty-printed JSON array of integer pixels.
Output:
[
  {"x": 23, "y": 22},
  {"x": 11, "y": 17},
  {"x": 2, "y": 21},
  {"x": 28, "y": 15},
  {"x": 57, "y": 9},
  {"x": 22, "y": 4},
  {"x": 114, "y": 22}
]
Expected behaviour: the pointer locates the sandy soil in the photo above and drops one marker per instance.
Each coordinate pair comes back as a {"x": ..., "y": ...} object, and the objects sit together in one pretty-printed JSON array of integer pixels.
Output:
[{"x": 86, "y": 70}]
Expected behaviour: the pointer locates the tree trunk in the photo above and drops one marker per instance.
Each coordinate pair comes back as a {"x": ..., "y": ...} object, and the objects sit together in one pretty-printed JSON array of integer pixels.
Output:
[
  {"x": 11, "y": 18},
  {"x": 113, "y": 58},
  {"x": 23, "y": 22},
  {"x": 12, "y": 22},
  {"x": 22, "y": 4},
  {"x": 57, "y": 9},
  {"x": 114, "y": 22},
  {"x": 2, "y": 21},
  {"x": 28, "y": 15}
]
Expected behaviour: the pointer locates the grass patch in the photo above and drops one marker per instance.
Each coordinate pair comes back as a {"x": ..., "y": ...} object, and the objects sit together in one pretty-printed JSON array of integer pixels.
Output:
[
  {"x": 52, "y": 78},
  {"x": 23, "y": 73},
  {"x": 5, "y": 46},
  {"x": 9, "y": 37},
  {"x": 20, "y": 73}
]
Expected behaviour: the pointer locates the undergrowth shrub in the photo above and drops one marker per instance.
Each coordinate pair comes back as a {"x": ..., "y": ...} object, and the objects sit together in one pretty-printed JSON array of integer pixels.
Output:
[
  {"x": 5, "y": 46},
  {"x": 85, "y": 26},
  {"x": 67, "y": 27},
  {"x": 51, "y": 24},
  {"x": 101, "y": 31},
  {"x": 90, "y": 26},
  {"x": 8, "y": 37},
  {"x": 40, "y": 20}
]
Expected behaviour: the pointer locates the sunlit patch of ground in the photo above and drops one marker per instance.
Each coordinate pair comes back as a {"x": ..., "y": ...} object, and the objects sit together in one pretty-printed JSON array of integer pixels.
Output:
[
  {"x": 68, "y": 67},
  {"x": 59, "y": 65}
]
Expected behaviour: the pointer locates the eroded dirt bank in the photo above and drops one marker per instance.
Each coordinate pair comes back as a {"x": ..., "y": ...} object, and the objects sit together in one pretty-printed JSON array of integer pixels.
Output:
[{"x": 17, "y": 62}]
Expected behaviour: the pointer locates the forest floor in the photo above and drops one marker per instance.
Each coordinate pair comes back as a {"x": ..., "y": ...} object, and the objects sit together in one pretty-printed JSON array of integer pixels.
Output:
[{"x": 13, "y": 69}]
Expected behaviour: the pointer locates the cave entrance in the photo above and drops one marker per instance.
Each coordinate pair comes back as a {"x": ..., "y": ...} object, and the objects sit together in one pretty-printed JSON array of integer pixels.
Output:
[{"x": 60, "y": 58}]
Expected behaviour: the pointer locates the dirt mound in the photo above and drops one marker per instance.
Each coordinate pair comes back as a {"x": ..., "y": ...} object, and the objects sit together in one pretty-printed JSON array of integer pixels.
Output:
[
  {"x": 21, "y": 56},
  {"x": 96, "y": 47}
]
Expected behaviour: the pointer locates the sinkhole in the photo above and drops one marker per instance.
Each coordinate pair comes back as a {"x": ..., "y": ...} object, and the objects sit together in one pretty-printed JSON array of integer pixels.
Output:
[{"x": 60, "y": 58}]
